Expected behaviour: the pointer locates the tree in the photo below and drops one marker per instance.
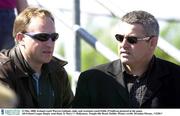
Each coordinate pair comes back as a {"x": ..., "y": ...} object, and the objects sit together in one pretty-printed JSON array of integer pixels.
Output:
[{"x": 171, "y": 32}]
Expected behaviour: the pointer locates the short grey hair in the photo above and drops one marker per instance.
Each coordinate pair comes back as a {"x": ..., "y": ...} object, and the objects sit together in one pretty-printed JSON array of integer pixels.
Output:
[{"x": 147, "y": 20}]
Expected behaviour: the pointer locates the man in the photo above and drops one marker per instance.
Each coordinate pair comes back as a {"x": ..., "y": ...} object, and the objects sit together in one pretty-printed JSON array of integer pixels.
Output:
[
  {"x": 7, "y": 17},
  {"x": 38, "y": 78},
  {"x": 138, "y": 79}
]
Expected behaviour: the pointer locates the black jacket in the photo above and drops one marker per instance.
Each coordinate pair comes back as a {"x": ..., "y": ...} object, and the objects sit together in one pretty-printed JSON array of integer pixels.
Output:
[
  {"x": 104, "y": 87},
  {"x": 13, "y": 74}
]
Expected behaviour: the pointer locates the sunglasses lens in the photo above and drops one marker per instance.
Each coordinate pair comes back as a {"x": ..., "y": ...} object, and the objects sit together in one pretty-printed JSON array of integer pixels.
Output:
[
  {"x": 54, "y": 36},
  {"x": 132, "y": 40},
  {"x": 44, "y": 36},
  {"x": 120, "y": 38},
  {"x": 41, "y": 36}
]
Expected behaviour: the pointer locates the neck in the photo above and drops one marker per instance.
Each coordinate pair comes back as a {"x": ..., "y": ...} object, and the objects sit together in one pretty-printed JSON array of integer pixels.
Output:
[
  {"x": 36, "y": 67},
  {"x": 137, "y": 69}
]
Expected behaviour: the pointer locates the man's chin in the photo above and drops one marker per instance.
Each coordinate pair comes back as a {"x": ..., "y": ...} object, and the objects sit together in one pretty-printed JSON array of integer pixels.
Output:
[
  {"x": 47, "y": 60},
  {"x": 124, "y": 60}
]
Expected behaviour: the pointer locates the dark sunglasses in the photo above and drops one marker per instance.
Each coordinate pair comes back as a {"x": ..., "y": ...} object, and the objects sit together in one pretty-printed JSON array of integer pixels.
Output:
[
  {"x": 43, "y": 36},
  {"x": 131, "y": 39}
]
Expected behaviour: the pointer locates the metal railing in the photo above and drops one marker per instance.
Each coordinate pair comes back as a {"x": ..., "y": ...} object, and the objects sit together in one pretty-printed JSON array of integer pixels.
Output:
[{"x": 91, "y": 40}]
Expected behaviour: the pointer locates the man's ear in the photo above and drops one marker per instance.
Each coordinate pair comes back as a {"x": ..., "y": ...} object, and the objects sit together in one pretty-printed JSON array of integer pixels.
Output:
[
  {"x": 19, "y": 38},
  {"x": 153, "y": 42}
]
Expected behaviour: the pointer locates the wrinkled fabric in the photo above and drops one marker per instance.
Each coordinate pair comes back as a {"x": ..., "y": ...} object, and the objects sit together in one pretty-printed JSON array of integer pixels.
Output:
[{"x": 14, "y": 74}]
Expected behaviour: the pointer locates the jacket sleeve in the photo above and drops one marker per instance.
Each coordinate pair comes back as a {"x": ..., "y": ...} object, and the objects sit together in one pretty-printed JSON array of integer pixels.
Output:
[
  {"x": 7, "y": 94},
  {"x": 67, "y": 92},
  {"x": 81, "y": 99},
  {"x": 6, "y": 70}
]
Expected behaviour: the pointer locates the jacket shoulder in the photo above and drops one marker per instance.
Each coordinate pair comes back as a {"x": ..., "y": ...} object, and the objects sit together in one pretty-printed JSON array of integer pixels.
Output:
[
  {"x": 167, "y": 64},
  {"x": 108, "y": 66},
  {"x": 56, "y": 64},
  {"x": 3, "y": 59},
  {"x": 57, "y": 61},
  {"x": 6, "y": 66},
  {"x": 164, "y": 67}
]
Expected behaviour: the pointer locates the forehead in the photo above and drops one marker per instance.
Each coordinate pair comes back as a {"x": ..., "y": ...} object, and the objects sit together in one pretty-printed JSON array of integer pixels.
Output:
[
  {"x": 41, "y": 24},
  {"x": 126, "y": 28}
]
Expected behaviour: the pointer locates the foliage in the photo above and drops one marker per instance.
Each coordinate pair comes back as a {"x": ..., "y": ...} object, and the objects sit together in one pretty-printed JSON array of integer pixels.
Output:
[
  {"x": 171, "y": 33},
  {"x": 90, "y": 57}
]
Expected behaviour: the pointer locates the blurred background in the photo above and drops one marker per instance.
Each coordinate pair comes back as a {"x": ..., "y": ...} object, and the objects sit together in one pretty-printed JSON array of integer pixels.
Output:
[{"x": 87, "y": 29}]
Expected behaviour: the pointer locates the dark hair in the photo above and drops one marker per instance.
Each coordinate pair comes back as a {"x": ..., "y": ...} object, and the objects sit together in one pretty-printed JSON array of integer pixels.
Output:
[{"x": 147, "y": 20}]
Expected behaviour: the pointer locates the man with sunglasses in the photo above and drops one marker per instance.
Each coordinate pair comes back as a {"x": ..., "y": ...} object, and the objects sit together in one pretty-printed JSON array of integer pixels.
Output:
[
  {"x": 138, "y": 79},
  {"x": 38, "y": 78}
]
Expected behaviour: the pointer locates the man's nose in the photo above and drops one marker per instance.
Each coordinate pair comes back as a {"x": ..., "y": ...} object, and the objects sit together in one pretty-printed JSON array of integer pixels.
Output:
[
  {"x": 124, "y": 43},
  {"x": 50, "y": 42}
]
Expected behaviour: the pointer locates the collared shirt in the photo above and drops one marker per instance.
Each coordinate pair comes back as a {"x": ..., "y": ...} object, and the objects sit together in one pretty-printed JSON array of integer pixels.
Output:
[
  {"x": 137, "y": 86},
  {"x": 44, "y": 89}
]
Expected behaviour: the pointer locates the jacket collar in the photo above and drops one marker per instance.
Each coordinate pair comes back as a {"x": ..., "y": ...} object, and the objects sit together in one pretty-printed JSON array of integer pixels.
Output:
[
  {"x": 116, "y": 70},
  {"x": 55, "y": 64},
  {"x": 16, "y": 56},
  {"x": 157, "y": 76},
  {"x": 158, "y": 71}
]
